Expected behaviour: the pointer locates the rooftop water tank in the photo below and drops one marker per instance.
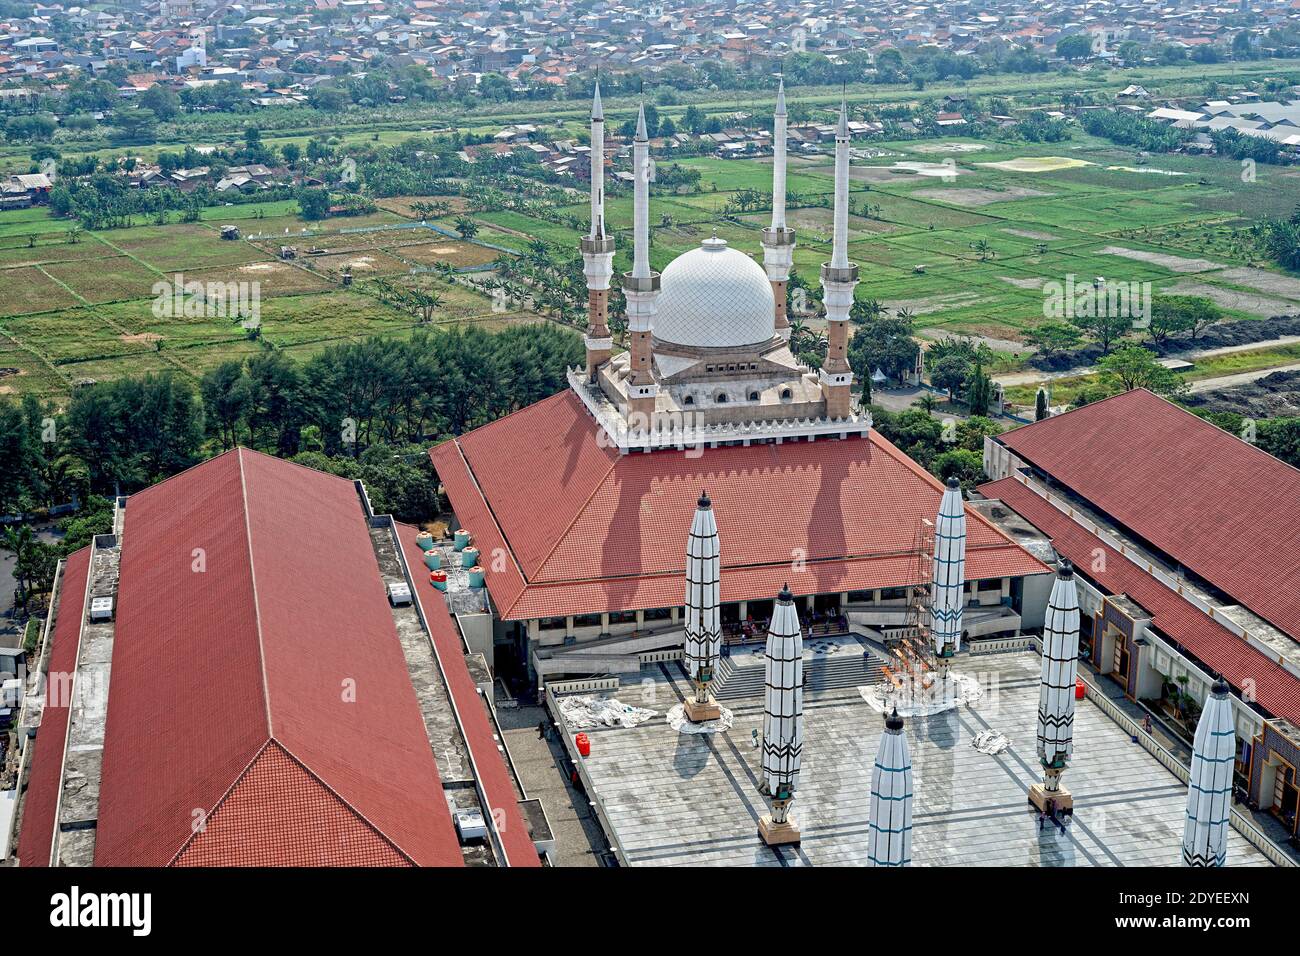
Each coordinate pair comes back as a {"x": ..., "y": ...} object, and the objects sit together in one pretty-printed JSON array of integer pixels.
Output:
[
  {"x": 469, "y": 557},
  {"x": 462, "y": 539},
  {"x": 424, "y": 541},
  {"x": 432, "y": 560},
  {"x": 476, "y": 577},
  {"x": 438, "y": 579}
]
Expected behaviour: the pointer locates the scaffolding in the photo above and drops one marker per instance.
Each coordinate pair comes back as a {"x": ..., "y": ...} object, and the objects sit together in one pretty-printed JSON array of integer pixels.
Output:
[{"x": 912, "y": 660}]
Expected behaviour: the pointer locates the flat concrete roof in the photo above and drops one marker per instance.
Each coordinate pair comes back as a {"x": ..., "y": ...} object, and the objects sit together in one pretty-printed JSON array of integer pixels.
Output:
[{"x": 683, "y": 800}]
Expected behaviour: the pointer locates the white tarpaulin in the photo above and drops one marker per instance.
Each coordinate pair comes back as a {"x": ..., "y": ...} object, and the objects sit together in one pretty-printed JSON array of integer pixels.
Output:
[
  {"x": 991, "y": 742},
  {"x": 678, "y": 722},
  {"x": 919, "y": 699},
  {"x": 584, "y": 712}
]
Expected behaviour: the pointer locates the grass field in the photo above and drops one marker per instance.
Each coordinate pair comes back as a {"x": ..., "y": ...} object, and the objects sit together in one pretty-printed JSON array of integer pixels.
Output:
[
  {"x": 86, "y": 309},
  {"x": 967, "y": 254}
]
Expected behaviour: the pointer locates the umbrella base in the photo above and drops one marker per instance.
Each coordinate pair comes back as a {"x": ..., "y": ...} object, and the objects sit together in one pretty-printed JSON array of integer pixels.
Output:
[
  {"x": 777, "y": 834},
  {"x": 698, "y": 713},
  {"x": 1051, "y": 802}
]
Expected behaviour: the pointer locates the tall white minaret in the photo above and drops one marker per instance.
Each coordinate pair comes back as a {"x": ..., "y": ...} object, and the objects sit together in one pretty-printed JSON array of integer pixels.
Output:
[
  {"x": 1056, "y": 693},
  {"x": 949, "y": 581},
  {"x": 839, "y": 278},
  {"x": 641, "y": 289},
  {"x": 782, "y": 720},
  {"x": 778, "y": 240},
  {"x": 1209, "y": 791},
  {"x": 597, "y": 251},
  {"x": 703, "y": 617},
  {"x": 890, "y": 840}
]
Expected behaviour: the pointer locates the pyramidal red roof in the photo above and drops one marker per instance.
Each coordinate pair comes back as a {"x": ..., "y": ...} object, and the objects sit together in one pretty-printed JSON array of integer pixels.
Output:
[
  {"x": 567, "y": 525},
  {"x": 1222, "y": 508},
  {"x": 260, "y": 709}
]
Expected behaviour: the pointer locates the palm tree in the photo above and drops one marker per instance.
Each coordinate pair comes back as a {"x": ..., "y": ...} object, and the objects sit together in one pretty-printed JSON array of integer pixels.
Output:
[{"x": 927, "y": 402}]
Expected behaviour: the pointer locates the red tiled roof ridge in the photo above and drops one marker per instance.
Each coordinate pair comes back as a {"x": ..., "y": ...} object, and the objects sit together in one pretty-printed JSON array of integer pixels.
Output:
[
  {"x": 210, "y": 819},
  {"x": 487, "y": 505},
  {"x": 257, "y": 608},
  {"x": 560, "y": 538}
]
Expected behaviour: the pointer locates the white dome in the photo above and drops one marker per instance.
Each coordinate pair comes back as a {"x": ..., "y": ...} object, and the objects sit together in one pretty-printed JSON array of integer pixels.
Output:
[{"x": 715, "y": 297}]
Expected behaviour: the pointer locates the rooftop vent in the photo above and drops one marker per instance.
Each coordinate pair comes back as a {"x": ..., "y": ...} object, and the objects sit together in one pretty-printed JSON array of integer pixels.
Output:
[
  {"x": 101, "y": 609},
  {"x": 470, "y": 824},
  {"x": 399, "y": 593}
]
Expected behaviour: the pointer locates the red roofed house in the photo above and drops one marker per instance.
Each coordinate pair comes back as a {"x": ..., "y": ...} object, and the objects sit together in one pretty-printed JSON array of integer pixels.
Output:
[
  {"x": 229, "y": 683},
  {"x": 1187, "y": 540}
]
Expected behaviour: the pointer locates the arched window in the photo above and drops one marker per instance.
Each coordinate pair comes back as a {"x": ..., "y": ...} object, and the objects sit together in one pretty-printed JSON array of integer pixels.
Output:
[
  {"x": 786, "y": 395},
  {"x": 722, "y": 398},
  {"x": 689, "y": 400},
  {"x": 753, "y": 396}
]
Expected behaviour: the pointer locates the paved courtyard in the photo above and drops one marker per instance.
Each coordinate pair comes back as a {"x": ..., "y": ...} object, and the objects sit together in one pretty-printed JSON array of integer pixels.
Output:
[{"x": 676, "y": 799}]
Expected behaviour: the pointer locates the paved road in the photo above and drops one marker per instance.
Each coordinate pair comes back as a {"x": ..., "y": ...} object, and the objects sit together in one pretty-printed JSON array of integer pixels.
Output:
[{"x": 1240, "y": 378}]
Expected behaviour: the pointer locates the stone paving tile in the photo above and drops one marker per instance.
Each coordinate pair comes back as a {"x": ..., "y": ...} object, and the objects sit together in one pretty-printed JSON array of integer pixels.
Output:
[{"x": 682, "y": 800}]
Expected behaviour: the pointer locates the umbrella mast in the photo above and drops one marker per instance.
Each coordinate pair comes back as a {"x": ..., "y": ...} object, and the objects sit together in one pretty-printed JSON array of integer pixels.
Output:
[
  {"x": 1056, "y": 693},
  {"x": 1209, "y": 790},
  {"x": 949, "y": 576},
  {"x": 703, "y": 617},
  {"x": 782, "y": 720},
  {"x": 890, "y": 841}
]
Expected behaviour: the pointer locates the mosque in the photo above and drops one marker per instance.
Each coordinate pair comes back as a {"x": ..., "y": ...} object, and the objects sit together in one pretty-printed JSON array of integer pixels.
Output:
[{"x": 574, "y": 504}]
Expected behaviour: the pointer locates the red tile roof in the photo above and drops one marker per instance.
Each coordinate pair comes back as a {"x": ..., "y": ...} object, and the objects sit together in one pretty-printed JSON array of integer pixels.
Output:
[
  {"x": 1222, "y": 508},
  {"x": 273, "y": 661},
  {"x": 35, "y": 840},
  {"x": 1276, "y": 689},
  {"x": 568, "y": 526},
  {"x": 489, "y": 767}
]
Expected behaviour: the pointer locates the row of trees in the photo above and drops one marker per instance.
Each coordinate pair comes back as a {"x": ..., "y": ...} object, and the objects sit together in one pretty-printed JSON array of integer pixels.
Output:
[
  {"x": 119, "y": 436},
  {"x": 1172, "y": 316}
]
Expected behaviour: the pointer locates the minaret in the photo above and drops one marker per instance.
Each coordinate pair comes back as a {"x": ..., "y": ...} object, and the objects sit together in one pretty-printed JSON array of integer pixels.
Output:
[
  {"x": 641, "y": 289},
  {"x": 703, "y": 619},
  {"x": 1056, "y": 693},
  {"x": 890, "y": 840},
  {"x": 782, "y": 720},
  {"x": 839, "y": 278},
  {"x": 949, "y": 582},
  {"x": 778, "y": 241},
  {"x": 597, "y": 251},
  {"x": 1209, "y": 791}
]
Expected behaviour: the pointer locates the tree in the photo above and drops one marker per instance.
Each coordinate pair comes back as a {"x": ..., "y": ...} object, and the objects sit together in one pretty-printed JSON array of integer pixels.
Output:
[
  {"x": 960, "y": 463},
  {"x": 1104, "y": 329},
  {"x": 1053, "y": 336},
  {"x": 883, "y": 343},
  {"x": 979, "y": 393},
  {"x": 163, "y": 100},
  {"x": 1078, "y": 46},
  {"x": 466, "y": 226},
  {"x": 313, "y": 204},
  {"x": 133, "y": 432},
  {"x": 1280, "y": 437},
  {"x": 950, "y": 373},
  {"x": 1041, "y": 410},
  {"x": 1135, "y": 367}
]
